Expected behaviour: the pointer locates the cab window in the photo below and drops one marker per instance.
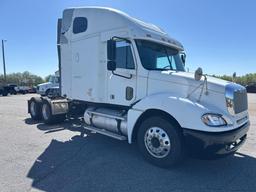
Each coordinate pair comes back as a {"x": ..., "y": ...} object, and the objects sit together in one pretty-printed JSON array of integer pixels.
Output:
[
  {"x": 79, "y": 25},
  {"x": 124, "y": 58}
]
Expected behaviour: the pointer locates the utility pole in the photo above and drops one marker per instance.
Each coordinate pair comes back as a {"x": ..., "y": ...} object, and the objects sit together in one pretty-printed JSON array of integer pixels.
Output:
[{"x": 4, "y": 59}]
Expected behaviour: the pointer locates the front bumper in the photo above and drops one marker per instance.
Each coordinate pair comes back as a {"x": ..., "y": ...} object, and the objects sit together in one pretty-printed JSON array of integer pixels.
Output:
[{"x": 219, "y": 143}]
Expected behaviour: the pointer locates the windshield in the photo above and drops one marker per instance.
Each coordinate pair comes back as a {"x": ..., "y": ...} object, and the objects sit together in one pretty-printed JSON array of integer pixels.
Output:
[
  {"x": 51, "y": 79},
  {"x": 57, "y": 79},
  {"x": 54, "y": 79},
  {"x": 155, "y": 56}
]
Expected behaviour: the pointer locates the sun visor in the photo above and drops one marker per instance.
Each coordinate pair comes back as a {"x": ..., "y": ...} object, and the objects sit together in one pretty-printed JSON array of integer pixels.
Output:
[{"x": 67, "y": 20}]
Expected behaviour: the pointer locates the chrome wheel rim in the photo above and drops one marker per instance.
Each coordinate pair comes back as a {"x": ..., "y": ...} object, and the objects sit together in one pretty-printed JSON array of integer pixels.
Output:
[
  {"x": 33, "y": 108},
  {"x": 45, "y": 111},
  {"x": 157, "y": 142}
]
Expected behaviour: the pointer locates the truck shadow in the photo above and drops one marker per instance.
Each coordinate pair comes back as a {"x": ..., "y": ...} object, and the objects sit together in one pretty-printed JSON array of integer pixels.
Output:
[{"x": 92, "y": 162}]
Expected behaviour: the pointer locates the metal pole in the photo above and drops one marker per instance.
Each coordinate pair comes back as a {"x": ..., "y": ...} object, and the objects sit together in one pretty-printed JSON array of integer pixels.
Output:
[{"x": 4, "y": 60}]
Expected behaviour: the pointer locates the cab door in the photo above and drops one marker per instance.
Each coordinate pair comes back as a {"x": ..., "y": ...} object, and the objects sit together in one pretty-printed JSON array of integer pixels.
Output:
[{"x": 122, "y": 83}]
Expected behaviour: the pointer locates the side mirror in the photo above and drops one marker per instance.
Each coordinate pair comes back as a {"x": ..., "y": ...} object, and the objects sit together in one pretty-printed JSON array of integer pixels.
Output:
[
  {"x": 111, "y": 65},
  {"x": 183, "y": 58},
  {"x": 111, "y": 46},
  {"x": 198, "y": 74}
]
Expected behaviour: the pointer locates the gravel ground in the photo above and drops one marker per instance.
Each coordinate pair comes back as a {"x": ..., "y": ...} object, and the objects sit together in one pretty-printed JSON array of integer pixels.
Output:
[{"x": 36, "y": 157}]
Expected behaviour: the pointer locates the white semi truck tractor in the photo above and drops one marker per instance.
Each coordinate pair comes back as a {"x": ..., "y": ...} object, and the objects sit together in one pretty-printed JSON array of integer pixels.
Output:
[
  {"x": 128, "y": 79},
  {"x": 44, "y": 89}
]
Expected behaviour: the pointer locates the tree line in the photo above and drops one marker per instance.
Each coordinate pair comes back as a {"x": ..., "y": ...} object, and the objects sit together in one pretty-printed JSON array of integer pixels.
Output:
[
  {"x": 22, "y": 79},
  {"x": 242, "y": 80},
  {"x": 28, "y": 79}
]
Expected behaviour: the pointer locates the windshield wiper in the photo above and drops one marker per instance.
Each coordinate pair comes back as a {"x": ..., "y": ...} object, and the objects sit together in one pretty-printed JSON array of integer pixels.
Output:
[{"x": 170, "y": 62}]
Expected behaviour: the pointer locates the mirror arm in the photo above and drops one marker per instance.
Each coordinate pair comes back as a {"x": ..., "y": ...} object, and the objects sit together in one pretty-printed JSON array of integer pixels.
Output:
[{"x": 122, "y": 75}]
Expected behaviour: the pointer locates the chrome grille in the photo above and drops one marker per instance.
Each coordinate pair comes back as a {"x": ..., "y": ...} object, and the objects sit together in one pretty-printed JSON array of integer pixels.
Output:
[
  {"x": 236, "y": 98},
  {"x": 240, "y": 101}
]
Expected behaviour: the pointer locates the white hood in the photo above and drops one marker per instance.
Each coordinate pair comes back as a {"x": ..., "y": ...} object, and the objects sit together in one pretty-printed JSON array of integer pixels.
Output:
[
  {"x": 44, "y": 84},
  {"x": 187, "y": 79}
]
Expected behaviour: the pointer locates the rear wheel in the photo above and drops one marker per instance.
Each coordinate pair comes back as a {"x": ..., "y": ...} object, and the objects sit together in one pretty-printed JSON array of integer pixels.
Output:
[
  {"x": 35, "y": 108},
  {"x": 160, "y": 142},
  {"x": 47, "y": 115}
]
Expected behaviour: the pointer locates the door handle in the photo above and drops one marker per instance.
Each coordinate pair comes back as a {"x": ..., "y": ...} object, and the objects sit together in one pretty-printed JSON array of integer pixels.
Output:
[{"x": 122, "y": 75}]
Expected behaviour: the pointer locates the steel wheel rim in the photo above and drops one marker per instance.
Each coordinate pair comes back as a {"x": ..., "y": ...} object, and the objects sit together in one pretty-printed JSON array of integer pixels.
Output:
[
  {"x": 157, "y": 142},
  {"x": 33, "y": 108},
  {"x": 45, "y": 111}
]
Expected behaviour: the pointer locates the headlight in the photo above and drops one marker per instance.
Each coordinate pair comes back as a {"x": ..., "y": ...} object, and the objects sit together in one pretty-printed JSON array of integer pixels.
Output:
[
  {"x": 230, "y": 106},
  {"x": 213, "y": 120}
]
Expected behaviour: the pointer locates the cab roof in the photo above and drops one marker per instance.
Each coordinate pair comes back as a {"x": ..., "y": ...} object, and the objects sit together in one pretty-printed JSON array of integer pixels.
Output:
[{"x": 141, "y": 29}]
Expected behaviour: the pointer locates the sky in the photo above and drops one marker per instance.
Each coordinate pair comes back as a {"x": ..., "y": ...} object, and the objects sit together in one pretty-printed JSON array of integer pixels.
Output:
[{"x": 218, "y": 35}]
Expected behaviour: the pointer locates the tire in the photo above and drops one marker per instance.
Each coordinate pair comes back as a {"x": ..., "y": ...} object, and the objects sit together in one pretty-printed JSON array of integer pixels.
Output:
[
  {"x": 47, "y": 92},
  {"x": 5, "y": 92},
  {"x": 47, "y": 115},
  {"x": 35, "y": 106},
  {"x": 160, "y": 142}
]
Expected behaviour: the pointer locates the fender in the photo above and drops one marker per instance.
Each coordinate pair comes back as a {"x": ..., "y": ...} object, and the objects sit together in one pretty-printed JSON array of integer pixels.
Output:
[{"x": 188, "y": 113}]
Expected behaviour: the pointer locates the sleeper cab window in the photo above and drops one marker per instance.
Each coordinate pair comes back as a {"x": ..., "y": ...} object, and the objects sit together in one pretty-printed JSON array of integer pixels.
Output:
[{"x": 79, "y": 25}]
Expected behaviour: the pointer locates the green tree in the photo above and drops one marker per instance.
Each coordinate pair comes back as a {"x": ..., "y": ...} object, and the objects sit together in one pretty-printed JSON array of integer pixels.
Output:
[
  {"x": 22, "y": 79},
  {"x": 243, "y": 80},
  {"x": 47, "y": 78}
]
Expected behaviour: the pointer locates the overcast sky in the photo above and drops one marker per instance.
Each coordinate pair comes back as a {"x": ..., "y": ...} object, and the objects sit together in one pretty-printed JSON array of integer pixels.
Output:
[{"x": 218, "y": 35}]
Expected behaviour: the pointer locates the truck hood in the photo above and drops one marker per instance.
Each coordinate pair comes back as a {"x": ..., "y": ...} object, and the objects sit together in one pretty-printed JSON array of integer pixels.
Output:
[
  {"x": 187, "y": 79},
  {"x": 44, "y": 84}
]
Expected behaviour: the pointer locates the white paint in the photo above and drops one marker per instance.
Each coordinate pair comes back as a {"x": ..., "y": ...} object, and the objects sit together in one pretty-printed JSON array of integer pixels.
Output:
[
  {"x": 44, "y": 87},
  {"x": 85, "y": 76}
]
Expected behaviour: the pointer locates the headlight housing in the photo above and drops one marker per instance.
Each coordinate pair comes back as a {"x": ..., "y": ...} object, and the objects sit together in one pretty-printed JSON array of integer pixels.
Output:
[
  {"x": 230, "y": 106},
  {"x": 213, "y": 120}
]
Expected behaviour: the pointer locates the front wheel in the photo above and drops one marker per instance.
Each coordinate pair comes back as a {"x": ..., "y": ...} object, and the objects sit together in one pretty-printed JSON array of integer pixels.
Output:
[
  {"x": 160, "y": 142},
  {"x": 47, "y": 92}
]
